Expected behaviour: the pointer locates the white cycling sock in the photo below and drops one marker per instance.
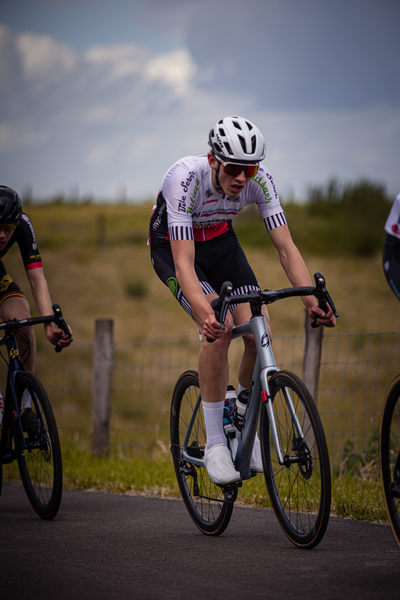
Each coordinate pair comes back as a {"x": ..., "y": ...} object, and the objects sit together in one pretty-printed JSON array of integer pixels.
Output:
[
  {"x": 213, "y": 418},
  {"x": 25, "y": 401}
]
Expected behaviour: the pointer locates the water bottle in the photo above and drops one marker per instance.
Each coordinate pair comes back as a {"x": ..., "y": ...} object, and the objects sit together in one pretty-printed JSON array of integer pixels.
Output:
[
  {"x": 1, "y": 412},
  {"x": 229, "y": 412},
  {"x": 229, "y": 409},
  {"x": 240, "y": 409}
]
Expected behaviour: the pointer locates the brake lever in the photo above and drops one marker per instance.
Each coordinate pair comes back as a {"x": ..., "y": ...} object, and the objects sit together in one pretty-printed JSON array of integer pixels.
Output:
[
  {"x": 323, "y": 296},
  {"x": 221, "y": 305},
  {"x": 61, "y": 323}
]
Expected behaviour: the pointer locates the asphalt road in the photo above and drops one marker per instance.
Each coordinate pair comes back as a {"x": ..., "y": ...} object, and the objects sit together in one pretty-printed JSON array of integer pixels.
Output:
[{"x": 104, "y": 546}]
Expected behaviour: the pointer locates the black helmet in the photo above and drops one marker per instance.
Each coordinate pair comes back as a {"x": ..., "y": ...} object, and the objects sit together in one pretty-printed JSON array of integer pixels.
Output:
[{"x": 10, "y": 206}]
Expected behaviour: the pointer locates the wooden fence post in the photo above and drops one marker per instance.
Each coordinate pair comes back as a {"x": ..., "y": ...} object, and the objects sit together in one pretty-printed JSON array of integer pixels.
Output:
[
  {"x": 311, "y": 366},
  {"x": 103, "y": 367},
  {"x": 312, "y": 356}
]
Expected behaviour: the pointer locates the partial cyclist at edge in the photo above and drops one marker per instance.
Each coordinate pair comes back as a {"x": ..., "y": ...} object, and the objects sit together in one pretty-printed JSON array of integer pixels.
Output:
[
  {"x": 391, "y": 248},
  {"x": 194, "y": 249},
  {"x": 15, "y": 227}
]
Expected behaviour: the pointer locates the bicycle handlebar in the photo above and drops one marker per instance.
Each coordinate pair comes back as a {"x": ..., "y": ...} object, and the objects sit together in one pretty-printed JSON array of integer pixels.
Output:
[
  {"x": 221, "y": 304},
  {"x": 57, "y": 317}
]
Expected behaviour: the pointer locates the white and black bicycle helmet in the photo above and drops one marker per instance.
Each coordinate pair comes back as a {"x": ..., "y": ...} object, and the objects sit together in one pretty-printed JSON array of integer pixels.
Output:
[
  {"x": 10, "y": 206},
  {"x": 235, "y": 139}
]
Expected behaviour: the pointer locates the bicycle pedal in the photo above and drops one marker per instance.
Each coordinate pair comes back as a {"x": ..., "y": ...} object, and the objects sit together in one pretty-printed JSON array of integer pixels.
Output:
[
  {"x": 230, "y": 491},
  {"x": 195, "y": 450}
]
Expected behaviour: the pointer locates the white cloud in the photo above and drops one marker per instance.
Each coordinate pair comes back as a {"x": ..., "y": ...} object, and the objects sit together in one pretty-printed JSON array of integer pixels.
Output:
[
  {"x": 175, "y": 69},
  {"x": 120, "y": 60},
  {"x": 44, "y": 60}
]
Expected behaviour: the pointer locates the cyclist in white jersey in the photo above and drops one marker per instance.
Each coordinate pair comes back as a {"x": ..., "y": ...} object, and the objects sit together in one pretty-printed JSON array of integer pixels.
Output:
[
  {"x": 194, "y": 249},
  {"x": 391, "y": 249}
]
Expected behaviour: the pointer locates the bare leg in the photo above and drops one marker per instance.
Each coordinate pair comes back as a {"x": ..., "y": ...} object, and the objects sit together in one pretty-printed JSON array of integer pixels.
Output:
[
  {"x": 18, "y": 308},
  {"x": 241, "y": 314}
]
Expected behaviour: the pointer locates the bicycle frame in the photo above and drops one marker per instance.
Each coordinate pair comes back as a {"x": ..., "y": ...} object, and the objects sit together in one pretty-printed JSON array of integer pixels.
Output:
[
  {"x": 15, "y": 366},
  {"x": 265, "y": 367},
  {"x": 11, "y": 410}
]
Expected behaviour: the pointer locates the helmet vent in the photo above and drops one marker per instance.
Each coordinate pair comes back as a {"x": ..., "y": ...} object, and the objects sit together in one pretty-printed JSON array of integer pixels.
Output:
[
  {"x": 227, "y": 146},
  {"x": 243, "y": 143}
]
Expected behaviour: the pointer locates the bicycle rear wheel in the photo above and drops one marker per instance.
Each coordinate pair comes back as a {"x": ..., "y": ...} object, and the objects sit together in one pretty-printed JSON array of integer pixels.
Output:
[
  {"x": 40, "y": 462},
  {"x": 389, "y": 455},
  {"x": 299, "y": 490},
  {"x": 203, "y": 499}
]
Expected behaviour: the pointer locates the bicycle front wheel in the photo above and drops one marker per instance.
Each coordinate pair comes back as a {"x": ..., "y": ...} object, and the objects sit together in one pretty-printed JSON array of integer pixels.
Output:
[
  {"x": 39, "y": 460},
  {"x": 203, "y": 499},
  {"x": 389, "y": 455},
  {"x": 299, "y": 489}
]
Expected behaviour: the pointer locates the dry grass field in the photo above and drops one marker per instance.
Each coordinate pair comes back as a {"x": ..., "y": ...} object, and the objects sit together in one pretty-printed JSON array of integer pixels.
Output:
[{"x": 97, "y": 263}]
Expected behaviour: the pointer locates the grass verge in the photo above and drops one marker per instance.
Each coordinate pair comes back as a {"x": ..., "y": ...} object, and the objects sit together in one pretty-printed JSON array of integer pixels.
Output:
[{"x": 354, "y": 497}]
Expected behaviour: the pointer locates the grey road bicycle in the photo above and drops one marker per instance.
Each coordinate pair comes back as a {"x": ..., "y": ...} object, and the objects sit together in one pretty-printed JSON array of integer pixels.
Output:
[
  {"x": 38, "y": 452},
  {"x": 389, "y": 455},
  {"x": 293, "y": 445}
]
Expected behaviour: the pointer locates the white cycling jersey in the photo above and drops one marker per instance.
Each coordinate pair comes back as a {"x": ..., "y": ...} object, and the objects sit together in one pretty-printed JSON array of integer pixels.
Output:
[
  {"x": 195, "y": 210},
  {"x": 392, "y": 225}
]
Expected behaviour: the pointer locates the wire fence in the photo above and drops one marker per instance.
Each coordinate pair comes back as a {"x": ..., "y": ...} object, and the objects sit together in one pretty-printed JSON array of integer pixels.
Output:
[{"x": 356, "y": 370}]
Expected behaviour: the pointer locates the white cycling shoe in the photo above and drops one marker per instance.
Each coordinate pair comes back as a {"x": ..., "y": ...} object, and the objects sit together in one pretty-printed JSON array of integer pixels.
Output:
[
  {"x": 219, "y": 465},
  {"x": 256, "y": 460}
]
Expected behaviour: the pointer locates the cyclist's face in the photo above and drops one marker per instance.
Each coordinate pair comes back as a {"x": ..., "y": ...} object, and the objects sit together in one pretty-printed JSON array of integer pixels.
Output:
[
  {"x": 4, "y": 237},
  {"x": 231, "y": 185}
]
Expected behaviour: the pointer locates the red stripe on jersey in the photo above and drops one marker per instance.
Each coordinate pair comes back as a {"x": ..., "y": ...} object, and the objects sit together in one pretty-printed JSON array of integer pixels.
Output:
[
  {"x": 35, "y": 265},
  {"x": 202, "y": 234}
]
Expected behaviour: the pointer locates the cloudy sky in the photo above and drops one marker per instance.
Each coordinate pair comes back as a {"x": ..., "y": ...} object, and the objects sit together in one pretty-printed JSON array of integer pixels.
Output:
[{"x": 99, "y": 97}]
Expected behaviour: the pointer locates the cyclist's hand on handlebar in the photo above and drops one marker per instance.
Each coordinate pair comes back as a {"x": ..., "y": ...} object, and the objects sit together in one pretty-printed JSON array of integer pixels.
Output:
[
  {"x": 57, "y": 337},
  {"x": 327, "y": 319},
  {"x": 212, "y": 329}
]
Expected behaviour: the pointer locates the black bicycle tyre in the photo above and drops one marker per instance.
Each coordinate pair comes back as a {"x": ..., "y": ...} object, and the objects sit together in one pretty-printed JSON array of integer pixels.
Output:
[
  {"x": 40, "y": 466},
  {"x": 389, "y": 448},
  {"x": 300, "y": 494},
  {"x": 208, "y": 508}
]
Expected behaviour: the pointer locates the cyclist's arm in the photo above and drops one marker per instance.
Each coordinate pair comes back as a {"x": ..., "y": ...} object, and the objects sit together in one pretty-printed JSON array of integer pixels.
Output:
[
  {"x": 41, "y": 295},
  {"x": 297, "y": 273},
  {"x": 183, "y": 252}
]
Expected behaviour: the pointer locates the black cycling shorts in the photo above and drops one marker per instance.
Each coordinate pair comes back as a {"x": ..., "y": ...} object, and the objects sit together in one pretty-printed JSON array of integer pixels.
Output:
[
  {"x": 8, "y": 287},
  {"x": 391, "y": 263},
  {"x": 216, "y": 261}
]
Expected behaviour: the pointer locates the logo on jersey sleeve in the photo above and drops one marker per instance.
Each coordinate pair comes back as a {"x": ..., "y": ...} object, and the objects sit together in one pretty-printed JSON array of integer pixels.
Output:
[
  {"x": 5, "y": 283},
  {"x": 193, "y": 197},
  {"x": 264, "y": 186}
]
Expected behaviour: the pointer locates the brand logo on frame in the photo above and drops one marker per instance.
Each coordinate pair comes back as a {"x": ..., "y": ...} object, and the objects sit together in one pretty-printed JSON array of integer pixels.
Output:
[{"x": 265, "y": 340}]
